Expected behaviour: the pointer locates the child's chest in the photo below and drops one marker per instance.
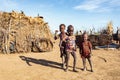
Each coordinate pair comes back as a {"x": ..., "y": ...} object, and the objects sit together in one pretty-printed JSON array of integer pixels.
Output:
[
  {"x": 63, "y": 36},
  {"x": 85, "y": 45},
  {"x": 71, "y": 40}
]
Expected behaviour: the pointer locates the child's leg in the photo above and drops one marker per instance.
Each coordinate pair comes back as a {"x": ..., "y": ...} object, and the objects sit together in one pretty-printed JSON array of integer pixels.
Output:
[
  {"x": 84, "y": 63},
  {"x": 89, "y": 60},
  {"x": 67, "y": 59},
  {"x": 62, "y": 57},
  {"x": 61, "y": 52},
  {"x": 74, "y": 62},
  {"x": 63, "y": 61}
]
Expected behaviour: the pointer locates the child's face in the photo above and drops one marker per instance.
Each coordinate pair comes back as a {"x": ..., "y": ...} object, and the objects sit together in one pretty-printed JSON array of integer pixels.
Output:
[
  {"x": 71, "y": 30},
  {"x": 62, "y": 29},
  {"x": 85, "y": 37}
]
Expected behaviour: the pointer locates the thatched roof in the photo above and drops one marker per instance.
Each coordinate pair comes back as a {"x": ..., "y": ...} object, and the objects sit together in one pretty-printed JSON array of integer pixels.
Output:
[{"x": 23, "y": 31}]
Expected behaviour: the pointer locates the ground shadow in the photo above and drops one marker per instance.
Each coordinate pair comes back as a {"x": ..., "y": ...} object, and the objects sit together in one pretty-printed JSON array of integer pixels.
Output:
[{"x": 42, "y": 62}]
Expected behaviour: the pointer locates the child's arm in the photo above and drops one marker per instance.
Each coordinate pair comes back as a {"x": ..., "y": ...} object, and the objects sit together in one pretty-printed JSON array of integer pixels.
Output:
[
  {"x": 75, "y": 45},
  {"x": 56, "y": 36},
  {"x": 90, "y": 47},
  {"x": 80, "y": 49}
]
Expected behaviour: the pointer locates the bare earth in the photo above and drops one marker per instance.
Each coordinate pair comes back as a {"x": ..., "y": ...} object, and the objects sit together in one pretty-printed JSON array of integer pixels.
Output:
[{"x": 47, "y": 66}]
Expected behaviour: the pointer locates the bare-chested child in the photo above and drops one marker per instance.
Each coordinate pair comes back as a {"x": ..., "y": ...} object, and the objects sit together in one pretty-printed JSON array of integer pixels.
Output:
[
  {"x": 85, "y": 51},
  {"x": 62, "y": 36},
  {"x": 71, "y": 47}
]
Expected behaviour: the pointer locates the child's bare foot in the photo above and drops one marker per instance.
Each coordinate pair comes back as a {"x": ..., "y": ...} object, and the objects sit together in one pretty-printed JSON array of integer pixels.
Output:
[
  {"x": 74, "y": 70},
  {"x": 91, "y": 70},
  {"x": 65, "y": 70},
  {"x": 84, "y": 69},
  {"x": 63, "y": 66}
]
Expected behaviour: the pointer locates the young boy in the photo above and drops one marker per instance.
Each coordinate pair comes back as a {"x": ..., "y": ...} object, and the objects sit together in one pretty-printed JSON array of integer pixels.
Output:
[
  {"x": 85, "y": 51},
  {"x": 70, "y": 47},
  {"x": 62, "y": 43}
]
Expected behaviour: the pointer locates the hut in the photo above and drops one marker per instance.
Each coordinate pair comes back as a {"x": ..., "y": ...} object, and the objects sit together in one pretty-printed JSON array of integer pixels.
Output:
[{"x": 21, "y": 33}]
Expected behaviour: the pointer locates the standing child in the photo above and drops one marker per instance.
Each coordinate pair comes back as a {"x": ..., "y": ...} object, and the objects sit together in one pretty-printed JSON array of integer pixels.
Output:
[
  {"x": 62, "y": 43},
  {"x": 71, "y": 47},
  {"x": 85, "y": 51}
]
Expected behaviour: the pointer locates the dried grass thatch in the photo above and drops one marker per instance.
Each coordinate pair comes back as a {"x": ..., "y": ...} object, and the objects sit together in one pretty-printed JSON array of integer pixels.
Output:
[{"x": 20, "y": 33}]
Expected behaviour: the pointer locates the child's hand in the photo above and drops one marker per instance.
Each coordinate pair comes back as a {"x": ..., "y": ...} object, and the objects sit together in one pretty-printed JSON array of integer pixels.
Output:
[
  {"x": 74, "y": 49},
  {"x": 56, "y": 31},
  {"x": 61, "y": 47}
]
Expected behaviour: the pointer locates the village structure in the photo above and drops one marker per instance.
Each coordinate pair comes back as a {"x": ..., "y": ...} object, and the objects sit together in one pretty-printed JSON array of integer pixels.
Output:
[{"x": 21, "y": 33}]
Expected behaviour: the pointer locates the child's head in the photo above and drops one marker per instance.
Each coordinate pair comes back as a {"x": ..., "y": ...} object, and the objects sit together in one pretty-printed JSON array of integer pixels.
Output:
[
  {"x": 85, "y": 37},
  {"x": 62, "y": 27},
  {"x": 70, "y": 30}
]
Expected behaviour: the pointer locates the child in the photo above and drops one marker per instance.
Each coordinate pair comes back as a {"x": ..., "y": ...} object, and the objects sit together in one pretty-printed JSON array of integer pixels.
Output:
[
  {"x": 85, "y": 51},
  {"x": 70, "y": 47},
  {"x": 62, "y": 43}
]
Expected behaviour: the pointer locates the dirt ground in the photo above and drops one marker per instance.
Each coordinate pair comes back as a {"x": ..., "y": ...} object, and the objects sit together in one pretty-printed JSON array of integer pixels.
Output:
[{"x": 47, "y": 66}]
